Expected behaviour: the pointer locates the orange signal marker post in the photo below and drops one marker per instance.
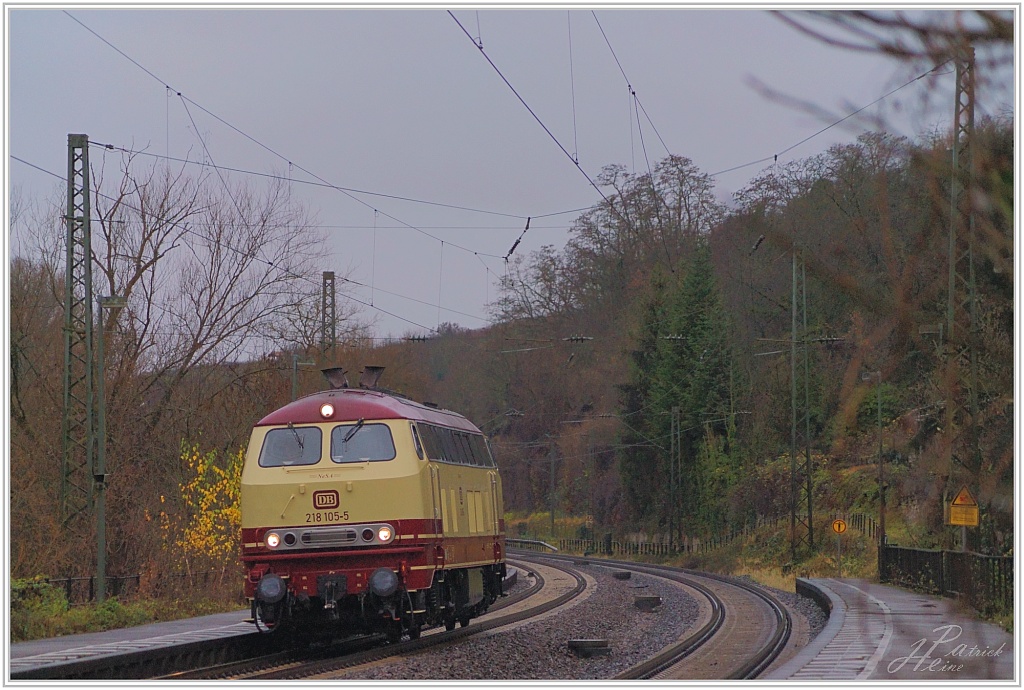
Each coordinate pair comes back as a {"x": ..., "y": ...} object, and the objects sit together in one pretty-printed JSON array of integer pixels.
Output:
[{"x": 839, "y": 526}]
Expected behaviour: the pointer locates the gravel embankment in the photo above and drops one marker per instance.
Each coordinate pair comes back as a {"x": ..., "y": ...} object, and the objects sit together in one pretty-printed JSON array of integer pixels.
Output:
[
  {"x": 539, "y": 651},
  {"x": 805, "y": 606}
]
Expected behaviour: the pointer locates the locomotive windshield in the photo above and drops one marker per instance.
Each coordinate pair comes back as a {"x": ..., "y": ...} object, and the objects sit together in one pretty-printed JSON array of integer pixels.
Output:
[
  {"x": 373, "y": 442},
  {"x": 296, "y": 445}
]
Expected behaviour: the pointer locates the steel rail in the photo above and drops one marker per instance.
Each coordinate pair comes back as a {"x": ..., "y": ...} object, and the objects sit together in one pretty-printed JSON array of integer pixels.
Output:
[
  {"x": 441, "y": 639},
  {"x": 291, "y": 658},
  {"x": 177, "y": 661},
  {"x": 756, "y": 663},
  {"x": 673, "y": 654}
]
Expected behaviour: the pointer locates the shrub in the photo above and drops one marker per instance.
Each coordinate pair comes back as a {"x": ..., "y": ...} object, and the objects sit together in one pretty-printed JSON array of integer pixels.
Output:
[{"x": 35, "y": 603}]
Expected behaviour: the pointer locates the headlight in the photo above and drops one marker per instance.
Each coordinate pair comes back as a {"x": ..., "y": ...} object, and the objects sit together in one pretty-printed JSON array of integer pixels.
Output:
[
  {"x": 327, "y": 410},
  {"x": 384, "y": 534},
  {"x": 273, "y": 540}
]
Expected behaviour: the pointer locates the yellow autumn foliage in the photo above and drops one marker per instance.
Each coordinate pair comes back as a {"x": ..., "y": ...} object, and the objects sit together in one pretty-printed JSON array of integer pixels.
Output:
[{"x": 205, "y": 532}]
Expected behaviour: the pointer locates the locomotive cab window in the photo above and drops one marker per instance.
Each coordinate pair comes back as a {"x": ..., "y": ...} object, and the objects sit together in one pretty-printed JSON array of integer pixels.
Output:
[
  {"x": 362, "y": 443},
  {"x": 295, "y": 445}
]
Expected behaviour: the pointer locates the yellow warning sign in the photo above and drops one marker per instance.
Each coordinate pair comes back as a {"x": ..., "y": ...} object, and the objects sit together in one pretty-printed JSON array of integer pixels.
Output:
[
  {"x": 838, "y": 526},
  {"x": 964, "y": 498},
  {"x": 963, "y": 511}
]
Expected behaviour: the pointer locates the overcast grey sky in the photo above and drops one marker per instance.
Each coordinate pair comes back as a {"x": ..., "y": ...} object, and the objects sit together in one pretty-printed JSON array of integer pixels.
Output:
[{"x": 402, "y": 103}]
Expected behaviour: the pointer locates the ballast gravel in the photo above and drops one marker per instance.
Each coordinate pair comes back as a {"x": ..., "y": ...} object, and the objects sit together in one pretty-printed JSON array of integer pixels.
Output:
[
  {"x": 540, "y": 651},
  {"x": 805, "y": 606}
]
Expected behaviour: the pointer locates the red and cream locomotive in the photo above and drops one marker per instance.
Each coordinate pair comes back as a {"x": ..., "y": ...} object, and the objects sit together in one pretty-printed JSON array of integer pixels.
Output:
[{"x": 363, "y": 511}]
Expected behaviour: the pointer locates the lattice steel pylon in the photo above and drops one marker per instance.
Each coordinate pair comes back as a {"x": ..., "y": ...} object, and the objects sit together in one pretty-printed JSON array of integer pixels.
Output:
[
  {"x": 77, "y": 423},
  {"x": 960, "y": 347},
  {"x": 328, "y": 313},
  {"x": 801, "y": 469}
]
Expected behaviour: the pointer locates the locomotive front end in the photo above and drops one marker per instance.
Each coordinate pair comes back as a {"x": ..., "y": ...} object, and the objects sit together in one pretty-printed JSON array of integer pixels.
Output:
[
  {"x": 364, "y": 512},
  {"x": 333, "y": 517}
]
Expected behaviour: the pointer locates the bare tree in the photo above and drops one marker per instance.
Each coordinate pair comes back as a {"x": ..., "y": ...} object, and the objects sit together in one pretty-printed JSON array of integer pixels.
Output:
[
  {"x": 300, "y": 327},
  {"x": 918, "y": 36},
  {"x": 211, "y": 275},
  {"x": 214, "y": 274}
]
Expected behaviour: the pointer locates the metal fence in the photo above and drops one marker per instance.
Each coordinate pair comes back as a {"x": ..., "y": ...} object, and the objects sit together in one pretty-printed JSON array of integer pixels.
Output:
[
  {"x": 530, "y": 544},
  {"x": 80, "y": 590},
  {"x": 865, "y": 524},
  {"x": 984, "y": 582},
  {"x": 695, "y": 545}
]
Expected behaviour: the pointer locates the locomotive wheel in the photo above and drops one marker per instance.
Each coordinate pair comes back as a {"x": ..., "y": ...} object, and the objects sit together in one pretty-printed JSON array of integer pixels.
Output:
[
  {"x": 464, "y": 621},
  {"x": 449, "y": 624},
  {"x": 394, "y": 633},
  {"x": 414, "y": 632}
]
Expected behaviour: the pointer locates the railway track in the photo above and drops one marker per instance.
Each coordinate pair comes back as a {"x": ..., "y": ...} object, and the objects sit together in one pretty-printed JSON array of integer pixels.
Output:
[
  {"x": 744, "y": 631},
  {"x": 296, "y": 664},
  {"x": 739, "y": 633}
]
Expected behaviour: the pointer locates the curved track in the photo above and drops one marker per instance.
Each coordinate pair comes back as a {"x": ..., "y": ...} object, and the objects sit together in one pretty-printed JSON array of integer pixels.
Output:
[
  {"x": 742, "y": 630},
  {"x": 294, "y": 664},
  {"x": 745, "y": 630}
]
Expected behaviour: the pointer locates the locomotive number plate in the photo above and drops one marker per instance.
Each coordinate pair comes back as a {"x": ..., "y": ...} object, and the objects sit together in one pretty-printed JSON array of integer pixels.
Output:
[{"x": 327, "y": 516}]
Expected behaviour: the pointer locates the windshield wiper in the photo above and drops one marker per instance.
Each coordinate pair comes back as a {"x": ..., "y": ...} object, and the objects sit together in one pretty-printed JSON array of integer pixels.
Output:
[
  {"x": 357, "y": 427},
  {"x": 298, "y": 439}
]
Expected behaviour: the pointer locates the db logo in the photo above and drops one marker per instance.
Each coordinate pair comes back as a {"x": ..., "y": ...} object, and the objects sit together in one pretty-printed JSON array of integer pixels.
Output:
[{"x": 325, "y": 499}]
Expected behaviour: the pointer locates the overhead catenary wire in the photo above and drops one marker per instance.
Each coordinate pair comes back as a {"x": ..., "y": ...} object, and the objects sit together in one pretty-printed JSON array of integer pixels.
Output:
[
  {"x": 572, "y": 84},
  {"x": 322, "y": 182},
  {"x": 629, "y": 84},
  {"x": 620, "y": 67},
  {"x": 192, "y": 231},
  {"x": 373, "y": 264},
  {"x": 186, "y": 100},
  {"x": 643, "y": 146},
  {"x": 775, "y": 157},
  {"x": 327, "y": 185},
  {"x": 545, "y": 128},
  {"x": 632, "y": 139},
  {"x": 714, "y": 174},
  {"x": 487, "y": 280},
  {"x": 336, "y": 187},
  {"x": 634, "y": 109}
]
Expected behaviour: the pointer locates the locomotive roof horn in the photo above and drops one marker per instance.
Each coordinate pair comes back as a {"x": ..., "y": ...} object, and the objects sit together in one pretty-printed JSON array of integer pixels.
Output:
[
  {"x": 370, "y": 376},
  {"x": 335, "y": 377}
]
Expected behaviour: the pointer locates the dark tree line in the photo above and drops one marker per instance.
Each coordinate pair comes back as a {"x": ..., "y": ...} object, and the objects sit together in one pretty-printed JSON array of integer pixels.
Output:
[
  {"x": 681, "y": 305},
  {"x": 676, "y": 305}
]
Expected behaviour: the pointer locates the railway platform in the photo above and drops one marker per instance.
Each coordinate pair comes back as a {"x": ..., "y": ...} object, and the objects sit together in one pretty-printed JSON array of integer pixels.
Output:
[
  {"x": 877, "y": 632},
  {"x": 90, "y": 648},
  {"x": 25, "y": 656}
]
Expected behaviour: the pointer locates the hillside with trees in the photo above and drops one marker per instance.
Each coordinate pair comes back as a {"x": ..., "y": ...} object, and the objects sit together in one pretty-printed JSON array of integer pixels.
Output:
[{"x": 639, "y": 376}]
